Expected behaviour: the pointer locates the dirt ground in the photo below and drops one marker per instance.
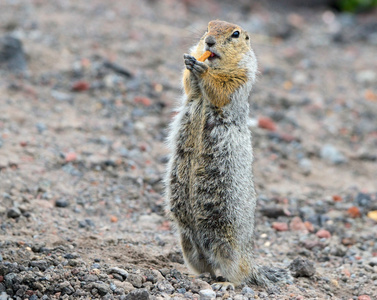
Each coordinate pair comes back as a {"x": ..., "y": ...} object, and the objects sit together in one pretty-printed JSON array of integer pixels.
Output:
[{"x": 82, "y": 151}]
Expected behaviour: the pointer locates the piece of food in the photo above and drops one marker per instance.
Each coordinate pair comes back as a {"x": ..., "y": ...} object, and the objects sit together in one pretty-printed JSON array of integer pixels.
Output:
[{"x": 205, "y": 56}]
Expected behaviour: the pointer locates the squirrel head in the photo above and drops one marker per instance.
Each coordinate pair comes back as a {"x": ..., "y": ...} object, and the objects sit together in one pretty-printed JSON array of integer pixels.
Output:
[{"x": 227, "y": 42}]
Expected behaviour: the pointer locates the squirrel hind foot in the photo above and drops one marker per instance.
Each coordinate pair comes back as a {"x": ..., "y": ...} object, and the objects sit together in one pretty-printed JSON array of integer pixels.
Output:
[{"x": 223, "y": 286}]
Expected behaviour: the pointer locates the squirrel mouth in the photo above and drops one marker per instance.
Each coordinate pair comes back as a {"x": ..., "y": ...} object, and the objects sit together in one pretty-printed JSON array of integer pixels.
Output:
[{"x": 213, "y": 56}]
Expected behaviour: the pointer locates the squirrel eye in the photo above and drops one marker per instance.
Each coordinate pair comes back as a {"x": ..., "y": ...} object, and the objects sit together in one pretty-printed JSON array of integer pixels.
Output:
[{"x": 236, "y": 34}]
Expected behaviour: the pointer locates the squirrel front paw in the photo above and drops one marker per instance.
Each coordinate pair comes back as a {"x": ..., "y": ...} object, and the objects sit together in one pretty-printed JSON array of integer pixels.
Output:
[{"x": 196, "y": 67}]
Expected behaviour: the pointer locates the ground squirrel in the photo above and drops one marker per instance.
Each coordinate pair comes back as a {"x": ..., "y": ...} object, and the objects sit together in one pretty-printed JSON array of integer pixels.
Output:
[{"x": 210, "y": 191}]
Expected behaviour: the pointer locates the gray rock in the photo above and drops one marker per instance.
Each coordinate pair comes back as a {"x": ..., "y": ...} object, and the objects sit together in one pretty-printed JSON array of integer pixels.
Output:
[
  {"x": 40, "y": 264},
  {"x": 301, "y": 267},
  {"x": 149, "y": 222},
  {"x": 72, "y": 255},
  {"x": 305, "y": 165},
  {"x": 119, "y": 271},
  {"x": 135, "y": 280},
  {"x": 4, "y": 296},
  {"x": 90, "y": 278},
  {"x": 103, "y": 288},
  {"x": 86, "y": 223},
  {"x": 61, "y": 202},
  {"x": 307, "y": 212},
  {"x": 247, "y": 291},
  {"x": 126, "y": 286},
  {"x": 165, "y": 287},
  {"x": 366, "y": 77},
  {"x": 274, "y": 211},
  {"x": 65, "y": 288},
  {"x": 11, "y": 279},
  {"x": 95, "y": 266},
  {"x": 164, "y": 271},
  {"x": 207, "y": 294},
  {"x": 141, "y": 294},
  {"x": 60, "y": 96},
  {"x": 14, "y": 213},
  {"x": 363, "y": 200},
  {"x": 373, "y": 261},
  {"x": 12, "y": 56},
  {"x": 37, "y": 247},
  {"x": 331, "y": 154},
  {"x": 41, "y": 127}
]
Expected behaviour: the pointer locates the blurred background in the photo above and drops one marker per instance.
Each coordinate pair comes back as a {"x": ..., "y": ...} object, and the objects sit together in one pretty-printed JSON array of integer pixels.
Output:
[{"x": 88, "y": 88}]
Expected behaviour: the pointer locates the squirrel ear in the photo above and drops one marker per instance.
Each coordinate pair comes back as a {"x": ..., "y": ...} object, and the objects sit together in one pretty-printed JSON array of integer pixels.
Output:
[{"x": 247, "y": 36}]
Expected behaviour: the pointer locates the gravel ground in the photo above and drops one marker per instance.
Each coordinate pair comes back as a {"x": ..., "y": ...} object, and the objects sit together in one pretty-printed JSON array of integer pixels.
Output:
[{"x": 84, "y": 108}]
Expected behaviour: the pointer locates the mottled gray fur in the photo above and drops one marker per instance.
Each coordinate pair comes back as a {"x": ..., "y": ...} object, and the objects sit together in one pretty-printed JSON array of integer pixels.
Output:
[{"x": 209, "y": 186}]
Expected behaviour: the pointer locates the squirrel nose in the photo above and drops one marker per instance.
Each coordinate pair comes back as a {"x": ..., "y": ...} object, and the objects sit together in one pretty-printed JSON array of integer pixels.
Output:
[{"x": 210, "y": 40}]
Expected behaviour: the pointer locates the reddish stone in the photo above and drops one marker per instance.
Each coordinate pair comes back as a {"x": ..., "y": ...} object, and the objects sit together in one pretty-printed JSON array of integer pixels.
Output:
[
  {"x": 70, "y": 156},
  {"x": 165, "y": 225},
  {"x": 309, "y": 226},
  {"x": 337, "y": 198},
  {"x": 85, "y": 62},
  {"x": 297, "y": 225},
  {"x": 322, "y": 233},
  {"x": 143, "y": 147},
  {"x": 266, "y": 123},
  {"x": 286, "y": 137},
  {"x": 80, "y": 85},
  {"x": 364, "y": 297},
  {"x": 143, "y": 100},
  {"x": 354, "y": 212},
  {"x": 29, "y": 293},
  {"x": 346, "y": 272},
  {"x": 348, "y": 241},
  {"x": 280, "y": 226}
]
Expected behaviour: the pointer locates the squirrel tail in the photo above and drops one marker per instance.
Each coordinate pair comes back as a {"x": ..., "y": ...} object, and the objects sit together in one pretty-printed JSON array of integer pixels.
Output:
[{"x": 270, "y": 277}]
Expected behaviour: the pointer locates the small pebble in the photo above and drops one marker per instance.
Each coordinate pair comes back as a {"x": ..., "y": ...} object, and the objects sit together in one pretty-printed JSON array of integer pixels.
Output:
[
  {"x": 41, "y": 127},
  {"x": 119, "y": 271},
  {"x": 135, "y": 280},
  {"x": 364, "y": 297},
  {"x": 13, "y": 213},
  {"x": 301, "y": 267},
  {"x": 40, "y": 264},
  {"x": 165, "y": 287},
  {"x": 332, "y": 155},
  {"x": 279, "y": 226},
  {"x": 298, "y": 225},
  {"x": 373, "y": 261},
  {"x": 139, "y": 294},
  {"x": 62, "y": 202},
  {"x": 207, "y": 294},
  {"x": 322, "y": 233},
  {"x": 248, "y": 291}
]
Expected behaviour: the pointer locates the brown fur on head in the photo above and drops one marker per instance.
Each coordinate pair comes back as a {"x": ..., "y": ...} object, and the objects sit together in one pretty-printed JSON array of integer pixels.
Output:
[{"x": 222, "y": 40}]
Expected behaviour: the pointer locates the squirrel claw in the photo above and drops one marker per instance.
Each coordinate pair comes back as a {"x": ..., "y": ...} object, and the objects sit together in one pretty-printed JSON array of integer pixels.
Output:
[
  {"x": 222, "y": 286},
  {"x": 195, "y": 66}
]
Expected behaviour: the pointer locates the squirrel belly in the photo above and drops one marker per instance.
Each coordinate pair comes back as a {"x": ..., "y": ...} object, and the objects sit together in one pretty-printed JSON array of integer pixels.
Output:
[{"x": 209, "y": 182}]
